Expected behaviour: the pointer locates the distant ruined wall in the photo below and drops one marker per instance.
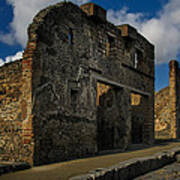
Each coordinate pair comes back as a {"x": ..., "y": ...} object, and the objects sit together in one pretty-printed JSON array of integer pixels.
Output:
[
  {"x": 11, "y": 141},
  {"x": 162, "y": 114},
  {"x": 167, "y": 106}
]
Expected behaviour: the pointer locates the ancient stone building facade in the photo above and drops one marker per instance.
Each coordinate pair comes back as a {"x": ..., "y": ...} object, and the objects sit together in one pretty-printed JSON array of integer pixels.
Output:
[
  {"x": 83, "y": 86},
  {"x": 167, "y": 104}
]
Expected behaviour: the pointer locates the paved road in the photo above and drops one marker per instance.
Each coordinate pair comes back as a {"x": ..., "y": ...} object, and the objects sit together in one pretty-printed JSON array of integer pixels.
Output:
[
  {"x": 64, "y": 170},
  {"x": 170, "y": 172}
]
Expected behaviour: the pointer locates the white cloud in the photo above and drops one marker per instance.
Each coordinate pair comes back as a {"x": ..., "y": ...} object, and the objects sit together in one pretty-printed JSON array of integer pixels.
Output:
[
  {"x": 1, "y": 62},
  {"x": 24, "y": 11},
  {"x": 122, "y": 16},
  {"x": 12, "y": 58},
  {"x": 7, "y": 38},
  {"x": 162, "y": 31},
  {"x": 15, "y": 57}
]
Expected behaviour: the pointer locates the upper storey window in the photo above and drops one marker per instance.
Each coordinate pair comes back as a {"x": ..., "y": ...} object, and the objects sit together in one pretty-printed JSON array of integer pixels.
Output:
[
  {"x": 70, "y": 37},
  {"x": 109, "y": 45},
  {"x": 138, "y": 57},
  {"x": 135, "y": 60}
]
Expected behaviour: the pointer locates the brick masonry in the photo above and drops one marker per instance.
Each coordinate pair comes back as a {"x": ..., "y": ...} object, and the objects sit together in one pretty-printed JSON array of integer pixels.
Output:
[{"x": 68, "y": 55}]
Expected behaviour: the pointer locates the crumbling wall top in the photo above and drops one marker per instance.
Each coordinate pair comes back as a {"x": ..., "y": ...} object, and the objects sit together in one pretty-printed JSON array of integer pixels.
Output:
[
  {"x": 128, "y": 31},
  {"x": 92, "y": 9},
  {"x": 40, "y": 18},
  {"x": 173, "y": 64},
  {"x": 10, "y": 64}
]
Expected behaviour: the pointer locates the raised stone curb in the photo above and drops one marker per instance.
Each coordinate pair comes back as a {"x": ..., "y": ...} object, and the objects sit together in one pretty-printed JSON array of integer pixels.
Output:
[
  {"x": 6, "y": 167},
  {"x": 132, "y": 168},
  {"x": 178, "y": 158}
]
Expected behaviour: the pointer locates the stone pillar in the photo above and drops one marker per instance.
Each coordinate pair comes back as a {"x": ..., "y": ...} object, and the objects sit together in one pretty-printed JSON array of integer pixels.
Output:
[{"x": 173, "y": 89}]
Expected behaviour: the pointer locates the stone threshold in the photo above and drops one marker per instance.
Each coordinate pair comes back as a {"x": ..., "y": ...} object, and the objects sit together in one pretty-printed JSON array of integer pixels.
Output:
[
  {"x": 132, "y": 168},
  {"x": 7, "y": 167}
]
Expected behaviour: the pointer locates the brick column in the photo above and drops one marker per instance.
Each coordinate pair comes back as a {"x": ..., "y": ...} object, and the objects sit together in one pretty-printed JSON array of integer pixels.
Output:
[
  {"x": 27, "y": 117},
  {"x": 173, "y": 89}
]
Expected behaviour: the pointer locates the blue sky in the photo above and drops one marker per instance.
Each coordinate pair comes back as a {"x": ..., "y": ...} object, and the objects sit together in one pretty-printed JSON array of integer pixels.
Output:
[{"x": 157, "y": 20}]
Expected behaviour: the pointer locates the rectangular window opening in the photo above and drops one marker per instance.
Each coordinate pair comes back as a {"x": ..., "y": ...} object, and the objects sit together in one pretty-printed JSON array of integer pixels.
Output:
[
  {"x": 70, "y": 37},
  {"x": 74, "y": 96},
  {"x": 109, "y": 45},
  {"x": 138, "y": 57}
]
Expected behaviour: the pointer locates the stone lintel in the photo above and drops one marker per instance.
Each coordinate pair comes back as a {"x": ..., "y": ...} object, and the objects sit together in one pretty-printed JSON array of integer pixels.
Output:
[{"x": 105, "y": 80}]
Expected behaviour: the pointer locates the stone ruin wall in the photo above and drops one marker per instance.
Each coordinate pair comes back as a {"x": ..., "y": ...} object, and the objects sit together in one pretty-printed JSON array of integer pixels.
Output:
[
  {"x": 15, "y": 139},
  {"x": 11, "y": 141},
  {"x": 67, "y": 74},
  {"x": 63, "y": 124},
  {"x": 59, "y": 83}
]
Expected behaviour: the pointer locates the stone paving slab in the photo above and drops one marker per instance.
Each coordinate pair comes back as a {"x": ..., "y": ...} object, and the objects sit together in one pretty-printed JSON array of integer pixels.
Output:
[
  {"x": 132, "y": 168},
  {"x": 169, "y": 172},
  {"x": 67, "y": 170}
]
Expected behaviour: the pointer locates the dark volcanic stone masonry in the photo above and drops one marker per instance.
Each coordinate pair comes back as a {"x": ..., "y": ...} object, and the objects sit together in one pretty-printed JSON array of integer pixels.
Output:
[{"x": 84, "y": 86}]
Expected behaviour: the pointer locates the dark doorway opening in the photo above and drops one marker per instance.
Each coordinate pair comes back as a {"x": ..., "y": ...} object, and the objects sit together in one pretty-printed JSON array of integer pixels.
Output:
[
  {"x": 136, "y": 133},
  {"x": 105, "y": 100}
]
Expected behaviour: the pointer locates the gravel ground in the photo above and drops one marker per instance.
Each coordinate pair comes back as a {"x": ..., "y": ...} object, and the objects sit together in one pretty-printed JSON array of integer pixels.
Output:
[{"x": 169, "y": 172}]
